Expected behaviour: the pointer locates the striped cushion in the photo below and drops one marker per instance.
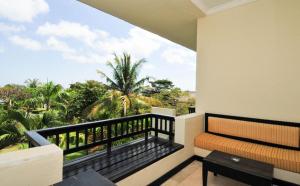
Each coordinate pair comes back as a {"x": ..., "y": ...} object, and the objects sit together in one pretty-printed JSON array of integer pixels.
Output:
[
  {"x": 280, "y": 158},
  {"x": 276, "y": 134}
]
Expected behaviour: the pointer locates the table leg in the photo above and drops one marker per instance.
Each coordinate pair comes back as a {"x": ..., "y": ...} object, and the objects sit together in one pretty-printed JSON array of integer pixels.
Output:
[{"x": 204, "y": 175}]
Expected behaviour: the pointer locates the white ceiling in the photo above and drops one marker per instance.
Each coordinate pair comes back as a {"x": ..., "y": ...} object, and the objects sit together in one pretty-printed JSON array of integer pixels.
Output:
[
  {"x": 212, "y": 6},
  {"x": 175, "y": 20}
]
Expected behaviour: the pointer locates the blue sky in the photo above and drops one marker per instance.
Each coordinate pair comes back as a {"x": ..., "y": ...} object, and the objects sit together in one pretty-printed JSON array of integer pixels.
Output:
[{"x": 67, "y": 41}]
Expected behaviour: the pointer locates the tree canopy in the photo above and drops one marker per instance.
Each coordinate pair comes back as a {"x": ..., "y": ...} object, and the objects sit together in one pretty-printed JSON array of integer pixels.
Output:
[{"x": 38, "y": 105}]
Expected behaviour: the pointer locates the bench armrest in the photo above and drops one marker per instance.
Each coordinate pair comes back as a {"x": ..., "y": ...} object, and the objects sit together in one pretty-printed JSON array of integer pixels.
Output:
[{"x": 187, "y": 127}]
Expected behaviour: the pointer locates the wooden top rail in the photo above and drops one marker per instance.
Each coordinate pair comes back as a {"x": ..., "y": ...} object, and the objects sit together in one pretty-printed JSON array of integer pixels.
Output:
[{"x": 36, "y": 139}]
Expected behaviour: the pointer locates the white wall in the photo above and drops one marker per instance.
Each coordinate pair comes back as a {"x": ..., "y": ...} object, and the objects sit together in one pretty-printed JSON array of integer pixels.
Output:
[
  {"x": 39, "y": 166},
  {"x": 248, "y": 61}
]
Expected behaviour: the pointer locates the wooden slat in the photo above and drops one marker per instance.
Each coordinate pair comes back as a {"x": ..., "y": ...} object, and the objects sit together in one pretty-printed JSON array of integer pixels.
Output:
[
  {"x": 102, "y": 131},
  {"x": 86, "y": 136},
  {"x": 115, "y": 173},
  {"x": 126, "y": 160},
  {"x": 77, "y": 139},
  {"x": 67, "y": 141},
  {"x": 156, "y": 127},
  {"x": 94, "y": 134},
  {"x": 122, "y": 129},
  {"x": 103, "y": 161},
  {"x": 116, "y": 129},
  {"x": 57, "y": 139}
]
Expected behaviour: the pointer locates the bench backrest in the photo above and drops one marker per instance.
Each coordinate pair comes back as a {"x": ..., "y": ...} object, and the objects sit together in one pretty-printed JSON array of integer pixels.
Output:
[{"x": 267, "y": 132}]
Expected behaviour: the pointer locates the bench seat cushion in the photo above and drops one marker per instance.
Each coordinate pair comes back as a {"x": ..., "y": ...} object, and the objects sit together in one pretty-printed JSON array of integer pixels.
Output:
[{"x": 280, "y": 158}]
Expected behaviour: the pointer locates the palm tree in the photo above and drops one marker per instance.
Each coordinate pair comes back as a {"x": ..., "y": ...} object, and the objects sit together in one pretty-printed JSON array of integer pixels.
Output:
[
  {"x": 50, "y": 93},
  {"x": 14, "y": 123},
  {"x": 33, "y": 83},
  {"x": 125, "y": 77}
]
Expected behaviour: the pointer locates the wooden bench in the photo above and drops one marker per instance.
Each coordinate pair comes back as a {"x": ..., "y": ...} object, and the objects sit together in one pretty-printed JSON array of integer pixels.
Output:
[{"x": 273, "y": 142}]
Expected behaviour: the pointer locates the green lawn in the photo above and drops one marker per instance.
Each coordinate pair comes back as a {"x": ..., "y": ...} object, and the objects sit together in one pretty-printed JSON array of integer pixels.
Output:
[{"x": 12, "y": 148}]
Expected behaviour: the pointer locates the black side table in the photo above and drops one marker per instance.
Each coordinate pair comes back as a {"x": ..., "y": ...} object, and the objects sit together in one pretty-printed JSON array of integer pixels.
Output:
[{"x": 241, "y": 169}]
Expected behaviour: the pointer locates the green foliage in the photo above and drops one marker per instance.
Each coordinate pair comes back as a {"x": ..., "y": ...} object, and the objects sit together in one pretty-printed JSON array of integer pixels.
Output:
[
  {"x": 125, "y": 75},
  {"x": 170, "y": 96},
  {"x": 161, "y": 84},
  {"x": 41, "y": 105},
  {"x": 82, "y": 97}
]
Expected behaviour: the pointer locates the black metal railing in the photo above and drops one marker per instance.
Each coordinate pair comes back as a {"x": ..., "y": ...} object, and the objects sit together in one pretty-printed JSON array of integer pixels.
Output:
[
  {"x": 73, "y": 138},
  {"x": 192, "y": 109}
]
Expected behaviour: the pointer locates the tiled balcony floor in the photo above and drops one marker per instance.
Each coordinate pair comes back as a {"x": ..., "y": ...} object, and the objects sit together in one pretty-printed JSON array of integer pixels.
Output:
[{"x": 192, "y": 175}]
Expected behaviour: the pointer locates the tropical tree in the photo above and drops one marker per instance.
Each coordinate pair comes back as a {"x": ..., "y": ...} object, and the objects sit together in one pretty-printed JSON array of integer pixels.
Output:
[
  {"x": 14, "y": 124},
  {"x": 162, "y": 84},
  {"x": 50, "y": 93},
  {"x": 125, "y": 77},
  {"x": 33, "y": 83},
  {"x": 11, "y": 94},
  {"x": 82, "y": 96}
]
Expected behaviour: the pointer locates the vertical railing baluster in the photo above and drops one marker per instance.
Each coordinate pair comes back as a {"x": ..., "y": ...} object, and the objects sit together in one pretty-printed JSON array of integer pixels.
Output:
[
  {"x": 156, "y": 127},
  {"x": 101, "y": 135},
  {"x": 30, "y": 144},
  {"x": 160, "y": 124},
  {"x": 146, "y": 129},
  {"x": 122, "y": 128},
  {"x": 171, "y": 137},
  {"x": 86, "y": 136},
  {"x": 137, "y": 124},
  {"x": 116, "y": 129},
  {"x": 68, "y": 141},
  {"x": 77, "y": 138},
  {"x": 127, "y": 127},
  {"x": 133, "y": 127},
  {"x": 109, "y": 138},
  {"x": 94, "y": 134},
  {"x": 57, "y": 139}
]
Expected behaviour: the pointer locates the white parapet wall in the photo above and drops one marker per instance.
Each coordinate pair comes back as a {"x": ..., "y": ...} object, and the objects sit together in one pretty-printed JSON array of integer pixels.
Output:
[
  {"x": 39, "y": 166},
  {"x": 186, "y": 128}
]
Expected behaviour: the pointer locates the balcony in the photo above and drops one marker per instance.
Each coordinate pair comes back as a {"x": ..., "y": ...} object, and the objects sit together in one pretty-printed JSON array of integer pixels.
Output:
[{"x": 150, "y": 136}]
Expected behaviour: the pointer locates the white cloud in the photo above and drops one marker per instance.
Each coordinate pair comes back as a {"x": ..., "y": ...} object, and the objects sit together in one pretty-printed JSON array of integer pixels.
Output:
[
  {"x": 58, "y": 45},
  {"x": 26, "y": 42},
  {"x": 85, "y": 58},
  {"x": 70, "y": 30},
  {"x": 176, "y": 55},
  {"x": 97, "y": 43},
  {"x": 72, "y": 54},
  {"x": 139, "y": 42},
  {"x": 22, "y": 10},
  {"x": 97, "y": 46},
  {"x": 11, "y": 28}
]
